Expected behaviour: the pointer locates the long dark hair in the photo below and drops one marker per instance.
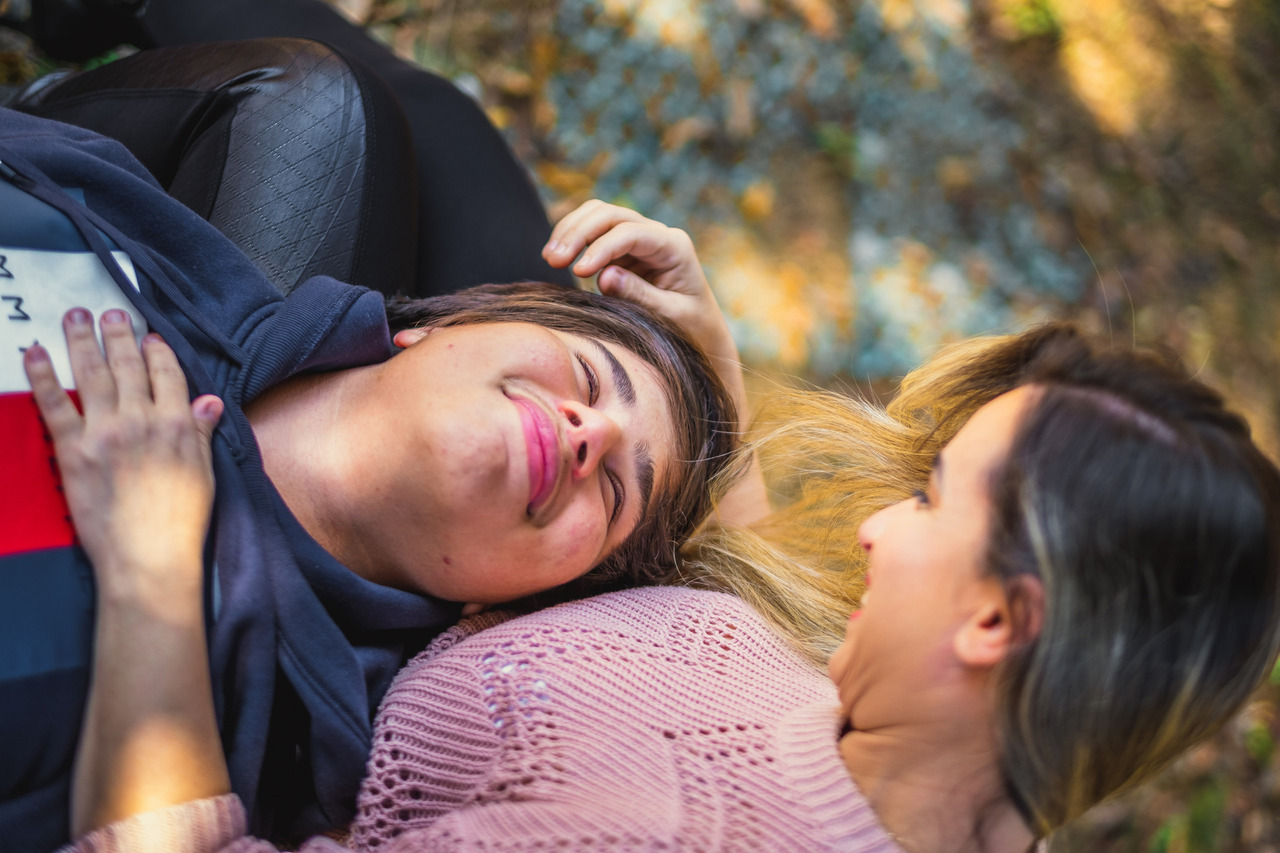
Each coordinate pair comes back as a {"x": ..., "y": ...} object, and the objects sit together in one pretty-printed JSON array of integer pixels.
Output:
[
  {"x": 1153, "y": 522},
  {"x": 703, "y": 416}
]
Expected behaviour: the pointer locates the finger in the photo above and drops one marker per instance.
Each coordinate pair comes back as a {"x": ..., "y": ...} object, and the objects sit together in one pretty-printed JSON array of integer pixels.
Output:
[
  {"x": 646, "y": 241},
  {"x": 561, "y": 247},
  {"x": 89, "y": 368},
  {"x": 124, "y": 357},
  {"x": 571, "y": 220},
  {"x": 59, "y": 413},
  {"x": 583, "y": 226},
  {"x": 207, "y": 410},
  {"x": 168, "y": 382}
]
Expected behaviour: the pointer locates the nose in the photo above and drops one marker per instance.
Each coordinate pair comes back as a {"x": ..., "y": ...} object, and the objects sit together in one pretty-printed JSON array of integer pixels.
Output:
[
  {"x": 591, "y": 433},
  {"x": 870, "y": 529}
]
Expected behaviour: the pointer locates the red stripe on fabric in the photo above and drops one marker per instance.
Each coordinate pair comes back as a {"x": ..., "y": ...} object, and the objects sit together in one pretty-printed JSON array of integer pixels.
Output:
[{"x": 33, "y": 512}]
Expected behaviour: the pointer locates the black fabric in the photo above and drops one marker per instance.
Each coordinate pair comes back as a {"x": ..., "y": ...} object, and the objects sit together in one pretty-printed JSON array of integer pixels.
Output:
[
  {"x": 303, "y": 161},
  {"x": 479, "y": 215}
]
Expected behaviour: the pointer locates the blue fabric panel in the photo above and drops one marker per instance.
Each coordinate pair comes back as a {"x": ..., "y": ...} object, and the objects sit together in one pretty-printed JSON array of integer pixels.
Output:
[{"x": 46, "y": 632}]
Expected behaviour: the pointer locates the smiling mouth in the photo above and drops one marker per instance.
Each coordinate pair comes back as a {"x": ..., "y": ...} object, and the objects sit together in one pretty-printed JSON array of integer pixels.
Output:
[{"x": 542, "y": 450}]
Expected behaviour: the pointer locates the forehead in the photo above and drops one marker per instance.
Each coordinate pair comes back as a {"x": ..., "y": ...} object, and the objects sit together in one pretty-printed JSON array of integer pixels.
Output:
[{"x": 982, "y": 444}]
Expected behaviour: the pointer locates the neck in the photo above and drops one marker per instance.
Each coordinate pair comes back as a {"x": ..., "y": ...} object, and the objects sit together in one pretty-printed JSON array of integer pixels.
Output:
[
  {"x": 935, "y": 781},
  {"x": 315, "y": 458}
]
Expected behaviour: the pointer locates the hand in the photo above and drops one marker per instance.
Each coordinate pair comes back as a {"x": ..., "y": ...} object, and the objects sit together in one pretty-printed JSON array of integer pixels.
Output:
[
  {"x": 648, "y": 263},
  {"x": 138, "y": 479},
  {"x": 135, "y": 466}
]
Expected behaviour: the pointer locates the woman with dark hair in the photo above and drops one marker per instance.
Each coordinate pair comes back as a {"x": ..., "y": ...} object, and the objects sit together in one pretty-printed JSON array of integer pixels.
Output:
[{"x": 1080, "y": 580}]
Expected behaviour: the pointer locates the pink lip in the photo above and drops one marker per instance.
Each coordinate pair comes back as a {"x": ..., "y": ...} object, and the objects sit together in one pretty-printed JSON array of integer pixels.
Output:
[{"x": 542, "y": 447}]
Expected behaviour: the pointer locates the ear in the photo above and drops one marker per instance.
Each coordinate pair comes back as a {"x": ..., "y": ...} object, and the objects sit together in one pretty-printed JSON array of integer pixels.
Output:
[
  {"x": 985, "y": 637},
  {"x": 408, "y": 337},
  {"x": 1006, "y": 616}
]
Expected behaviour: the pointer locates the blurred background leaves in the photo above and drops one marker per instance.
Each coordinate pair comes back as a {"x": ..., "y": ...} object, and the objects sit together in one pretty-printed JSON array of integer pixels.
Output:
[{"x": 866, "y": 181}]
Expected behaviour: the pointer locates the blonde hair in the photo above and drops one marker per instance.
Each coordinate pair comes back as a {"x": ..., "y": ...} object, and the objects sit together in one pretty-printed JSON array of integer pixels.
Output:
[{"x": 832, "y": 460}]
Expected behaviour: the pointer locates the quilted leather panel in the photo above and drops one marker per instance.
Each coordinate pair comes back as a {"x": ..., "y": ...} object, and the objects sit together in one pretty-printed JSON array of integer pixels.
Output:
[
  {"x": 293, "y": 183},
  {"x": 288, "y": 130}
]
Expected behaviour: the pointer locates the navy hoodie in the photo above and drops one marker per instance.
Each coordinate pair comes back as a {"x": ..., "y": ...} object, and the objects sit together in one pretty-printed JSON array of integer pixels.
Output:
[{"x": 301, "y": 648}]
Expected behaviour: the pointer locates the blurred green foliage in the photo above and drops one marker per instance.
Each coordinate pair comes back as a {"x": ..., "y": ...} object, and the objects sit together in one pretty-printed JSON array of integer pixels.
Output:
[{"x": 1035, "y": 18}]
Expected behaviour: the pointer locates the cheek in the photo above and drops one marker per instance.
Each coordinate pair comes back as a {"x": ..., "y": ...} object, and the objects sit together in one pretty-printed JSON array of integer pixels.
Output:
[
  {"x": 463, "y": 464},
  {"x": 573, "y": 544},
  {"x": 579, "y": 541}
]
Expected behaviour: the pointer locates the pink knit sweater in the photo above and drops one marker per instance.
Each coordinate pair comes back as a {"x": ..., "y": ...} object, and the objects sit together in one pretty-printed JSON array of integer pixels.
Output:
[{"x": 652, "y": 719}]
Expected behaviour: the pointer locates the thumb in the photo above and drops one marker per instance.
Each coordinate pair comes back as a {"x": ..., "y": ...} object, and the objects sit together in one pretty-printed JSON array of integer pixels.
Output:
[{"x": 207, "y": 410}]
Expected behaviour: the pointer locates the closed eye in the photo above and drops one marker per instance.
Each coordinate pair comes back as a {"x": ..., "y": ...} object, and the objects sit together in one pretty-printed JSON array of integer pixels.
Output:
[
  {"x": 593, "y": 381},
  {"x": 619, "y": 496}
]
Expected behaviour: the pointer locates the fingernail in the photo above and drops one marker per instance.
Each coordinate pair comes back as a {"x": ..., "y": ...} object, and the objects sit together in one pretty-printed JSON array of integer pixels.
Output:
[
  {"x": 205, "y": 409},
  {"x": 115, "y": 315},
  {"x": 152, "y": 338},
  {"x": 78, "y": 316},
  {"x": 35, "y": 352},
  {"x": 555, "y": 247}
]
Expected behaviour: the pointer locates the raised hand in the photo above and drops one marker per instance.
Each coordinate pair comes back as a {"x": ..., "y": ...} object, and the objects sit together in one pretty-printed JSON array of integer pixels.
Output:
[{"x": 646, "y": 262}]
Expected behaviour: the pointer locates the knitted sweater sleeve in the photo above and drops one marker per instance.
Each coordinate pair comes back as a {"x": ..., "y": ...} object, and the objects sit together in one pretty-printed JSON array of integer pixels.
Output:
[{"x": 202, "y": 826}]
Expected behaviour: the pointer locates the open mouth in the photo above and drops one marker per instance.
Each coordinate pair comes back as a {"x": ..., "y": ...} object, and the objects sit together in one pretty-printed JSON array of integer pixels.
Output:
[{"x": 542, "y": 446}]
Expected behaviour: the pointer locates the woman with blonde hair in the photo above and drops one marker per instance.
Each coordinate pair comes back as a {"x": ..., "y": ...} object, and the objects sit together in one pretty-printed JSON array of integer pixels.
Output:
[{"x": 1085, "y": 582}]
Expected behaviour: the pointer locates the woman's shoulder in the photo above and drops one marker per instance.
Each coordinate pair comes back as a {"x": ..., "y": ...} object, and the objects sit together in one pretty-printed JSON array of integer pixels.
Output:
[
  {"x": 655, "y": 614},
  {"x": 646, "y": 611}
]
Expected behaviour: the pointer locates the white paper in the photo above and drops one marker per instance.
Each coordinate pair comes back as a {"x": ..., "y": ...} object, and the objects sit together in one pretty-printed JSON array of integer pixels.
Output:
[{"x": 36, "y": 289}]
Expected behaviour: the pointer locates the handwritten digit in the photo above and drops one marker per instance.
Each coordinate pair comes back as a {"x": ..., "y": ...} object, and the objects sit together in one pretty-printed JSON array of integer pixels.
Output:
[{"x": 18, "y": 313}]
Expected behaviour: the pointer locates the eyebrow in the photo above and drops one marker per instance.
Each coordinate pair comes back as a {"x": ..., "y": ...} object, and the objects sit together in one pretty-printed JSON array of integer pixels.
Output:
[{"x": 627, "y": 391}]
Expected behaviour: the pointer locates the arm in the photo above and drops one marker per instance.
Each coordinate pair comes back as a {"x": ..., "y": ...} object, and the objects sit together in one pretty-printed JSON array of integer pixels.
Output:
[
  {"x": 656, "y": 266},
  {"x": 138, "y": 480}
]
